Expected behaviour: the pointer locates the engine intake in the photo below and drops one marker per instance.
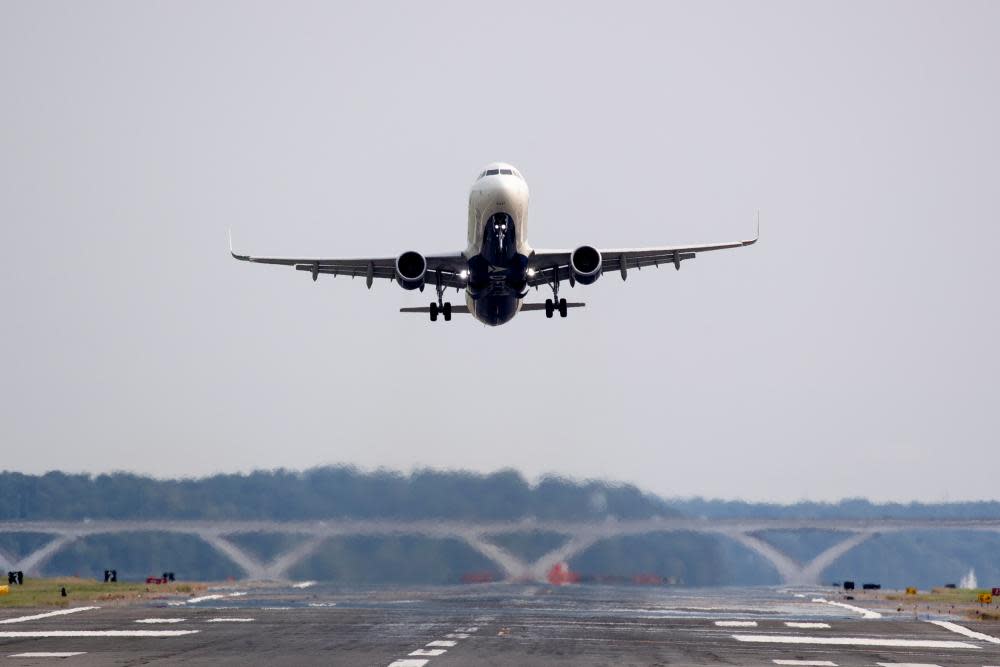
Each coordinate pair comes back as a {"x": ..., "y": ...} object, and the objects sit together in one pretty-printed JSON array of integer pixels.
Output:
[
  {"x": 586, "y": 262},
  {"x": 411, "y": 267}
]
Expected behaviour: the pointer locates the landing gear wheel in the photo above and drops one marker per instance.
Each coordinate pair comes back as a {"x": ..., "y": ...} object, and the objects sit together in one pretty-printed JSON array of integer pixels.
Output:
[
  {"x": 446, "y": 310},
  {"x": 549, "y": 308},
  {"x": 562, "y": 308},
  {"x": 434, "y": 312}
]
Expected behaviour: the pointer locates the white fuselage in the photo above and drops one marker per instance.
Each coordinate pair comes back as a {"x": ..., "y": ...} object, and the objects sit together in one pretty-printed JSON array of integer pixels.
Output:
[{"x": 494, "y": 193}]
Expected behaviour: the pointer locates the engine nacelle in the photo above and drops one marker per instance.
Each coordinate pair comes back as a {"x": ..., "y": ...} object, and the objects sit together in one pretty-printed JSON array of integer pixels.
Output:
[
  {"x": 586, "y": 263},
  {"x": 411, "y": 267}
]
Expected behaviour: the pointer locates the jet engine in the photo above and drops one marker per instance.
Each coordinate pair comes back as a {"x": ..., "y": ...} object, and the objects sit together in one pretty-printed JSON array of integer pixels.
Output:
[
  {"x": 411, "y": 267},
  {"x": 586, "y": 264}
]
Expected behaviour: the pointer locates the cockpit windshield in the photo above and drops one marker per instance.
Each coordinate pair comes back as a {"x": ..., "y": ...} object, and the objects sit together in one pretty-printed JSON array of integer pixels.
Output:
[{"x": 500, "y": 172}]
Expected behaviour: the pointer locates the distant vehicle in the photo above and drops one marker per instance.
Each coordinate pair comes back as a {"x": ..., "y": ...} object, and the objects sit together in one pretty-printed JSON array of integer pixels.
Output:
[{"x": 498, "y": 267}]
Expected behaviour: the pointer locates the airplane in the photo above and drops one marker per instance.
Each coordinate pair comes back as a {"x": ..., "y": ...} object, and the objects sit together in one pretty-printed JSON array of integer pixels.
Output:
[{"x": 498, "y": 266}]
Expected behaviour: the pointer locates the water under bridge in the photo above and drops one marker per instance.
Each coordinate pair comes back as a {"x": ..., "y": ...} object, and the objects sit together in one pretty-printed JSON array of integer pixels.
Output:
[{"x": 479, "y": 535}]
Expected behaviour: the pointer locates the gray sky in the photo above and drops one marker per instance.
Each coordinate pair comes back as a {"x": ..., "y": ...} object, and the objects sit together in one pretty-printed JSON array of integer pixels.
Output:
[{"x": 852, "y": 352}]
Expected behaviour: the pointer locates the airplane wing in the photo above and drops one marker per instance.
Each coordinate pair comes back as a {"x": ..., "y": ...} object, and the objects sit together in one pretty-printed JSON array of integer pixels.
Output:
[
  {"x": 443, "y": 267},
  {"x": 551, "y": 265}
]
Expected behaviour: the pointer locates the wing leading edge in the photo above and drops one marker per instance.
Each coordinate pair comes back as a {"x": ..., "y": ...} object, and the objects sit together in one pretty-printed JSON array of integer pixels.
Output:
[
  {"x": 442, "y": 269},
  {"x": 551, "y": 265}
]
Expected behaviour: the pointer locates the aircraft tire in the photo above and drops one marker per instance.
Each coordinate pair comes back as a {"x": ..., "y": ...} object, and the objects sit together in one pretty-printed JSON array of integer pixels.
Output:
[
  {"x": 447, "y": 311},
  {"x": 563, "y": 310},
  {"x": 434, "y": 312},
  {"x": 549, "y": 308}
]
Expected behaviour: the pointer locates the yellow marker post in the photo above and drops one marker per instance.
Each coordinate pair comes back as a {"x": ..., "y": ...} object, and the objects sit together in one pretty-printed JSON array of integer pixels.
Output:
[
  {"x": 910, "y": 590},
  {"x": 4, "y": 590},
  {"x": 985, "y": 598}
]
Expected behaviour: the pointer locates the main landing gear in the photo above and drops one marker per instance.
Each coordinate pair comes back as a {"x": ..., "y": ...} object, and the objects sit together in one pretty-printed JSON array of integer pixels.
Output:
[
  {"x": 441, "y": 307},
  {"x": 555, "y": 303}
]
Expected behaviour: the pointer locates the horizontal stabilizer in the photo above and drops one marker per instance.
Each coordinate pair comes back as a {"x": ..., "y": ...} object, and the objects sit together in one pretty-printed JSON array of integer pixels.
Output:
[
  {"x": 457, "y": 310},
  {"x": 541, "y": 306},
  {"x": 464, "y": 310}
]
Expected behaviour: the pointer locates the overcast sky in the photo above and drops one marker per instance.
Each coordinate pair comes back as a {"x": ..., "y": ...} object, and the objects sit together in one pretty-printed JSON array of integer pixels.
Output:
[{"x": 852, "y": 352}]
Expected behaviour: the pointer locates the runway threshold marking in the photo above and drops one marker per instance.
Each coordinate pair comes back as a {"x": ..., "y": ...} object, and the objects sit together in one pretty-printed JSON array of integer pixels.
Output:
[
  {"x": 47, "y": 654},
  {"x": 408, "y": 663},
  {"x": 736, "y": 624},
  {"x": 962, "y": 630},
  {"x": 796, "y": 624},
  {"x": 35, "y": 617},
  {"x": 447, "y": 643},
  {"x": 853, "y": 641},
  {"x": 23, "y": 634},
  {"x": 430, "y": 652},
  {"x": 814, "y": 663}
]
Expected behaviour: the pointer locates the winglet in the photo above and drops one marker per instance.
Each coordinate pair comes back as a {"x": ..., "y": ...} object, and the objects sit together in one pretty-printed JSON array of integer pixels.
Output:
[
  {"x": 233, "y": 252},
  {"x": 756, "y": 229}
]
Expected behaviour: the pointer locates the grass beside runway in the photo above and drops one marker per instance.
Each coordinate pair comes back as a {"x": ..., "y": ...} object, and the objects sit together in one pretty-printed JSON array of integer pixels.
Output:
[{"x": 47, "y": 592}]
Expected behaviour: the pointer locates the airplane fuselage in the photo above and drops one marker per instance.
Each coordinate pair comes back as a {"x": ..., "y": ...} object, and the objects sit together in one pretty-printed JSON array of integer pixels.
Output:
[{"x": 498, "y": 248}]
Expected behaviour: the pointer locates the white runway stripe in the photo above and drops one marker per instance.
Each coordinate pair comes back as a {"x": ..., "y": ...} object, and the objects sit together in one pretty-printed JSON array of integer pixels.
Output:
[
  {"x": 955, "y": 627},
  {"x": 456, "y": 635},
  {"x": 853, "y": 641},
  {"x": 867, "y": 613},
  {"x": 35, "y": 617},
  {"x": 442, "y": 642},
  {"x": 47, "y": 654},
  {"x": 8, "y": 634},
  {"x": 736, "y": 624},
  {"x": 430, "y": 652},
  {"x": 794, "y": 624},
  {"x": 905, "y": 664},
  {"x": 814, "y": 663},
  {"x": 229, "y": 620},
  {"x": 408, "y": 663},
  {"x": 159, "y": 620}
]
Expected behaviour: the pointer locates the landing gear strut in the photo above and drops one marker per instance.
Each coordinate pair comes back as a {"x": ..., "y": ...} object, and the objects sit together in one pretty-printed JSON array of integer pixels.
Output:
[
  {"x": 555, "y": 303},
  {"x": 442, "y": 307}
]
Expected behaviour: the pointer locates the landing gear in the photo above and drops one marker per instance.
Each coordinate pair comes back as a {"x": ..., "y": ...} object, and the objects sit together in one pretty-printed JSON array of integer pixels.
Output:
[
  {"x": 441, "y": 307},
  {"x": 555, "y": 303}
]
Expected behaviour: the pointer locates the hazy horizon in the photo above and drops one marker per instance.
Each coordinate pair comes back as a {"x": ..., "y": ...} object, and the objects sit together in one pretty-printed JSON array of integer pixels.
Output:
[{"x": 851, "y": 353}]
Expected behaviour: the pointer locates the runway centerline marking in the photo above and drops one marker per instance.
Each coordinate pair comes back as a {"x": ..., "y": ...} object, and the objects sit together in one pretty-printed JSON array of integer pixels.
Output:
[
  {"x": 49, "y": 614},
  {"x": 962, "y": 630},
  {"x": 814, "y": 663},
  {"x": 796, "y": 624},
  {"x": 408, "y": 663},
  {"x": 229, "y": 620},
  {"x": 430, "y": 652},
  {"x": 47, "y": 654},
  {"x": 853, "y": 641},
  {"x": 905, "y": 664},
  {"x": 736, "y": 624},
  {"x": 29, "y": 634},
  {"x": 160, "y": 620}
]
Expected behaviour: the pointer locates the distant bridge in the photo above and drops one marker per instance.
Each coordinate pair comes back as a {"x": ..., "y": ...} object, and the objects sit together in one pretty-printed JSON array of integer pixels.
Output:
[{"x": 478, "y": 535}]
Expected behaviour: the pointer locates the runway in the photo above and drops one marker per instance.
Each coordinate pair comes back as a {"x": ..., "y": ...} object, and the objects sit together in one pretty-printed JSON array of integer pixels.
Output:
[{"x": 495, "y": 625}]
